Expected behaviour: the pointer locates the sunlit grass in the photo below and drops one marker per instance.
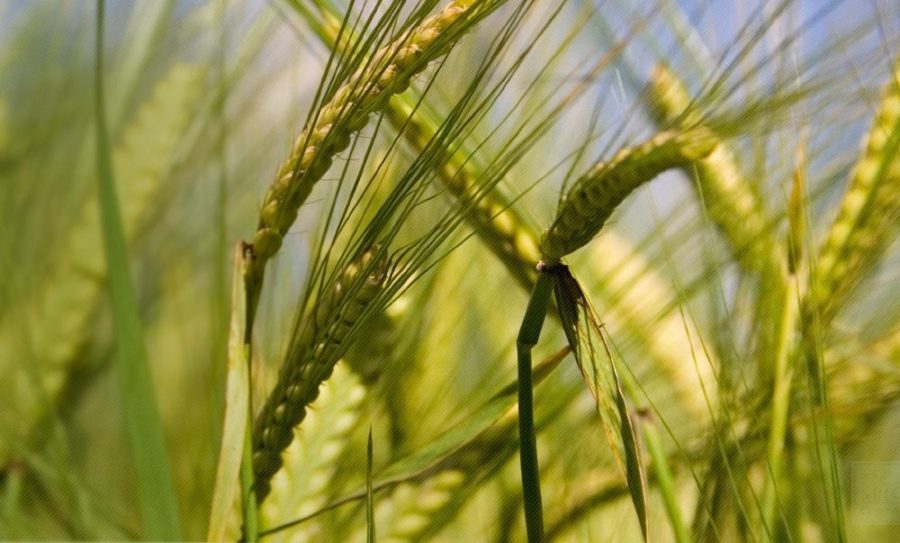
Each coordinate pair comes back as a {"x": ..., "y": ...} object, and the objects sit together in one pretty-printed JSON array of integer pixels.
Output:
[{"x": 734, "y": 318}]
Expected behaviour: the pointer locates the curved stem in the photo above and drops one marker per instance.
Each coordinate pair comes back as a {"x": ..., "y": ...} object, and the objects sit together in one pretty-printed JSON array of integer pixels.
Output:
[{"x": 529, "y": 333}]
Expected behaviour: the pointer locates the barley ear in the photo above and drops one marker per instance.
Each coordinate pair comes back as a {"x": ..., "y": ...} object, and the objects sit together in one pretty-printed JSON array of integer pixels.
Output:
[
  {"x": 301, "y": 486},
  {"x": 388, "y": 72},
  {"x": 722, "y": 189},
  {"x": 311, "y": 360},
  {"x": 60, "y": 317},
  {"x": 867, "y": 220},
  {"x": 499, "y": 226},
  {"x": 595, "y": 195}
]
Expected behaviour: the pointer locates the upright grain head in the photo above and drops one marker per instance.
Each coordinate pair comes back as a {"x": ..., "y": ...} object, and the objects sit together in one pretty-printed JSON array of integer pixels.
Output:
[{"x": 869, "y": 212}]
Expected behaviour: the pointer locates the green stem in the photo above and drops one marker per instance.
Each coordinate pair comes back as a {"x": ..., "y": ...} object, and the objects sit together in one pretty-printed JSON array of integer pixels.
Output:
[
  {"x": 156, "y": 489},
  {"x": 248, "y": 492},
  {"x": 664, "y": 479},
  {"x": 780, "y": 406},
  {"x": 529, "y": 333}
]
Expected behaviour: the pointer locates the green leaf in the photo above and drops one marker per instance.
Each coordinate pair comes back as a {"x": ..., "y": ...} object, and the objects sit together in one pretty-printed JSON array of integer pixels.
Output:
[
  {"x": 582, "y": 327},
  {"x": 158, "y": 505},
  {"x": 237, "y": 405}
]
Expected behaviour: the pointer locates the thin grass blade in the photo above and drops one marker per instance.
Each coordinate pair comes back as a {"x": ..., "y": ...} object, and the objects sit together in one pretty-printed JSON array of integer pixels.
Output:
[
  {"x": 237, "y": 408},
  {"x": 158, "y": 504},
  {"x": 370, "y": 500}
]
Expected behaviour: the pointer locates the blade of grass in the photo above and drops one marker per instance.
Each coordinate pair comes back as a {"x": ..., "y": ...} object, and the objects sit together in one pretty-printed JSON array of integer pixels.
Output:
[
  {"x": 158, "y": 504},
  {"x": 237, "y": 409},
  {"x": 664, "y": 478},
  {"x": 370, "y": 501}
]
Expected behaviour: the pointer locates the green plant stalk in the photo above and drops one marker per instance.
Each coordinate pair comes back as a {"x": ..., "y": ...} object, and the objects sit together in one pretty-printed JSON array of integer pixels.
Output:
[
  {"x": 664, "y": 479},
  {"x": 249, "y": 501},
  {"x": 370, "y": 498},
  {"x": 781, "y": 396},
  {"x": 529, "y": 334},
  {"x": 236, "y": 412},
  {"x": 158, "y": 504},
  {"x": 784, "y": 355}
]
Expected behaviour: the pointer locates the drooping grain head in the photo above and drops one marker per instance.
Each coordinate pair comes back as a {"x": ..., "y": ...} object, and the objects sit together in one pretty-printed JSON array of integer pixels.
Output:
[
  {"x": 388, "y": 72},
  {"x": 312, "y": 358},
  {"x": 498, "y": 224},
  {"x": 594, "y": 196}
]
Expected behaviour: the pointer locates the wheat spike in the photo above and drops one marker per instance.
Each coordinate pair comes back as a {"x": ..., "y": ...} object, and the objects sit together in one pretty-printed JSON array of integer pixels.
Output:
[
  {"x": 388, "y": 72},
  {"x": 732, "y": 205},
  {"x": 59, "y": 319},
  {"x": 301, "y": 486},
  {"x": 631, "y": 296},
  {"x": 595, "y": 195},
  {"x": 869, "y": 211},
  {"x": 311, "y": 361}
]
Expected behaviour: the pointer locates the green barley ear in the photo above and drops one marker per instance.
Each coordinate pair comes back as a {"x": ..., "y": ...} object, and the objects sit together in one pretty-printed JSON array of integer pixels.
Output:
[
  {"x": 60, "y": 316},
  {"x": 595, "y": 195},
  {"x": 869, "y": 212},
  {"x": 726, "y": 195},
  {"x": 301, "y": 486},
  {"x": 312, "y": 358},
  {"x": 388, "y": 72}
]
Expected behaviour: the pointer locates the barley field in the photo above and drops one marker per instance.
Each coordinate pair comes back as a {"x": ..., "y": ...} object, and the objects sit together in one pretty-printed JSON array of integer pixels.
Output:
[{"x": 450, "y": 270}]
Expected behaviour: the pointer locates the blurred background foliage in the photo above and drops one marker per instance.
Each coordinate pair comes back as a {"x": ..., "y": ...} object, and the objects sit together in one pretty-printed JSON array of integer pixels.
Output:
[{"x": 204, "y": 99}]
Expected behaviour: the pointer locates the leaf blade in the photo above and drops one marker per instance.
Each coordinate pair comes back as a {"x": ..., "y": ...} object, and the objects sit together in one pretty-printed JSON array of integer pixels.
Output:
[
  {"x": 156, "y": 492},
  {"x": 237, "y": 401}
]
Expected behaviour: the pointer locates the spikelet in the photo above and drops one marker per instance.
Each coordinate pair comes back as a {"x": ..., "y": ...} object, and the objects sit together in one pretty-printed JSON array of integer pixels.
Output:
[
  {"x": 59, "y": 317},
  {"x": 301, "y": 486},
  {"x": 388, "y": 72},
  {"x": 594, "y": 196},
  {"x": 730, "y": 202},
  {"x": 869, "y": 212},
  {"x": 312, "y": 359},
  {"x": 407, "y": 513}
]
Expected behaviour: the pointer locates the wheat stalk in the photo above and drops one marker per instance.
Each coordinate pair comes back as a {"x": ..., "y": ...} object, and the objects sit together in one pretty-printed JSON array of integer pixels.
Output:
[
  {"x": 595, "y": 195},
  {"x": 312, "y": 360},
  {"x": 367, "y": 90}
]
